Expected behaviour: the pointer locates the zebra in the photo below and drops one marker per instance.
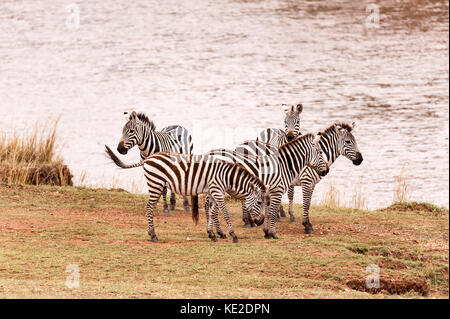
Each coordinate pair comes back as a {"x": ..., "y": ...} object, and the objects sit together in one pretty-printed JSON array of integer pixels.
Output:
[
  {"x": 196, "y": 174},
  {"x": 278, "y": 137},
  {"x": 140, "y": 130},
  {"x": 334, "y": 141},
  {"x": 278, "y": 169}
]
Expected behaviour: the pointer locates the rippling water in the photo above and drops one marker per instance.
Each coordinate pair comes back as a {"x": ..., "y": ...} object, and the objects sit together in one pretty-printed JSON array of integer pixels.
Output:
[{"x": 223, "y": 68}]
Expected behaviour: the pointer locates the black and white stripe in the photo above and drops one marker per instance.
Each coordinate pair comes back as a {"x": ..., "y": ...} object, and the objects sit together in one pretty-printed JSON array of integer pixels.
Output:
[
  {"x": 277, "y": 169},
  {"x": 334, "y": 141},
  {"x": 196, "y": 174},
  {"x": 278, "y": 137},
  {"x": 140, "y": 130}
]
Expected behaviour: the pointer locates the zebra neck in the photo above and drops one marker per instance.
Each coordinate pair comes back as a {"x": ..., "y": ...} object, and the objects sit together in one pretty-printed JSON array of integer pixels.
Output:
[
  {"x": 292, "y": 159},
  {"x": 328, "y": 144},
  {"x": 149, "y": 143}
]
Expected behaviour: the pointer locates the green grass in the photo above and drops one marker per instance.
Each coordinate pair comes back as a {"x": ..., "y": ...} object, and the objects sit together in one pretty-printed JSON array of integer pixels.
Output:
[{"x": 45, "y": 228}]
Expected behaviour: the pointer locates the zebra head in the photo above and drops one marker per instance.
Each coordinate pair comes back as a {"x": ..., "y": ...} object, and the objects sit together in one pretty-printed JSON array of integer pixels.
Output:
[
  {"x": 130, "y": 134},
  {"x": 292, "y": 120},
  {"x": 255, "y": 204},
  {"x": 316, "y": 159},
  {"x": 347, "y": 143}
]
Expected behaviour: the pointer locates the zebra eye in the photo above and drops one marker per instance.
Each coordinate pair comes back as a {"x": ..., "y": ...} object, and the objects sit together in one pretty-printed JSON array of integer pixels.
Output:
[{"x": 348, "y": 142}]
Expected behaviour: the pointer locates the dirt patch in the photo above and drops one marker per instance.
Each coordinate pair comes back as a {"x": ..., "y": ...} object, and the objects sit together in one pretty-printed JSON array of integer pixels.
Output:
[
  {"x": 391, "y": 264},
  {"x": 391, "y": 286},
  {"x": 359, "y": 250},
  {"x": 387, "y": 253},
  {"x": 416, "y": 207}
]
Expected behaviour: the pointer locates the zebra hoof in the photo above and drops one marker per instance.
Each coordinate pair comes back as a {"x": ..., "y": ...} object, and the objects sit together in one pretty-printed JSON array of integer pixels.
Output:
[
  {"x": 293, "y": 219},
  {"x": 222, "y": 235},
  {"x": 308, "y": 230},
  {"x": 282, "y": 213},
  {"x": 273, "y": 236},
  {"x": 235, "y": 240},
  {"x": 213, "y": 238},
  {"x": 187, "y": 209},
  {"x": 154, "y": 239},
  {"x": 172, "y": 207},
  {"x": 248, "y": 225}
]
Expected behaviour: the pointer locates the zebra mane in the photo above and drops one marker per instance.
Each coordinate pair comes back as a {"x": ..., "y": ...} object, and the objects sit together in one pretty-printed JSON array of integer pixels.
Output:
[
  {"x": 332, "y": 127},
  {"x": 260, "y": 183},
  {"x": 144, "y": 119},
  {"x": 305, "y": 136}
]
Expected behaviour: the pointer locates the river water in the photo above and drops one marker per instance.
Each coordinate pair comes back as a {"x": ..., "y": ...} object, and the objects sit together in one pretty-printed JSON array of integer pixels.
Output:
[{"x": 223, "y": 68}]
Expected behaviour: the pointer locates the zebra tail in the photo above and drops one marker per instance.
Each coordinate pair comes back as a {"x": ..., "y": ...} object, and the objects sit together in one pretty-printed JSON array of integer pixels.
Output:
[
  {"x": 117, "y": 161},
  {"x": 194, "y": 201}
]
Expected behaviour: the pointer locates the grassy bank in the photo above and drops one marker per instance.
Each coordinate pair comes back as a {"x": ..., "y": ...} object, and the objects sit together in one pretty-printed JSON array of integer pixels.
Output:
[
  {"x": 32, "y": 159},
  {"x": 104, "y": 232}
]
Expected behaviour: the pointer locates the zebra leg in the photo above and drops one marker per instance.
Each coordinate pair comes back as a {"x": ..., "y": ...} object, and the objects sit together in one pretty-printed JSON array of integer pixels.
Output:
[
  {"x": 291, "y": 203},
  {"x": 187, "y": 209},
  {"x": 307, "y": 190},
  {"x": 282, "y": 212},
  {"x": 215, "y": 219},
  {"x": 209, "y": 218},
  {"x": 275, "y": 201},
  {"x": 166, "y": 208},
  {"x": 220, "y": 201},
  {"x": 207, "y": 208},
  {"x": 267, "y": 217},
  {"x": 248, "y": 222},
  {"x": 173, "y": 201},
  {"x": 214, "y": 216},
  {"x": 153, "y": 200}
]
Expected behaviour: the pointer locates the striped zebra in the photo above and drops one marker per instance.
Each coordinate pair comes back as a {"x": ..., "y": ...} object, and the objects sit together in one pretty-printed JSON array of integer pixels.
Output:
[
  {"x": 196, "y": 174},
  {"x": 140, "y": 130},
  {"x": 335, "y": 140},
  {"x": 278, "y": 169},
  {"x": 278, "y": 137}
]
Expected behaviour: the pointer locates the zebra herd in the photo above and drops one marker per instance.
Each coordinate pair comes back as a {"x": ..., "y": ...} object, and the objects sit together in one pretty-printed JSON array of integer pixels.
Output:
[{"x": 257, "y": 172}]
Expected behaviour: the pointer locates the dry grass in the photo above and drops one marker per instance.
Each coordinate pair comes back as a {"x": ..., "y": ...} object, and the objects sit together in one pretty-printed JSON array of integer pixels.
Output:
[
  {"x": 32, "y": 158},
  {"x": 332, "y": 197},
  {"x": 359, "y": 197},
  {"x": 45, "y": 228},
  {"x": 402, "y": 181}
]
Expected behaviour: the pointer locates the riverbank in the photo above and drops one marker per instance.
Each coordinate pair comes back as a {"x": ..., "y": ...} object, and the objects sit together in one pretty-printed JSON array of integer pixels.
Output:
[{"x": 43, "y": 229}]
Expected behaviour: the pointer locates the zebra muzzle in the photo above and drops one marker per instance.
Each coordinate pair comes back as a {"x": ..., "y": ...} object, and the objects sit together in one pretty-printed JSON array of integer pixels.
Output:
[
  {"x": 358, "y": 159},
  {"x": 121, "y": 148},
  {"x": 259, "y": 221}
]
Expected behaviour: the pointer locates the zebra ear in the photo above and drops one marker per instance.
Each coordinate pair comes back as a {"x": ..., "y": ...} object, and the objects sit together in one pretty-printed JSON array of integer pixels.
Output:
[
  {"x": 299, "y": 108},
  {"x": 285, "y": 108},
  {"x": 133, "y": 116},
  {"x": 316, "y": 139}
]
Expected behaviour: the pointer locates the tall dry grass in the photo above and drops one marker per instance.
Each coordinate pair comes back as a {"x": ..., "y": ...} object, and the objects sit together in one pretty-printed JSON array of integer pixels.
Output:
[
  {"x": 32, "y": 159},
  {"x": 331, "y": 198},
  {"x": 401, "y": 191}
]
